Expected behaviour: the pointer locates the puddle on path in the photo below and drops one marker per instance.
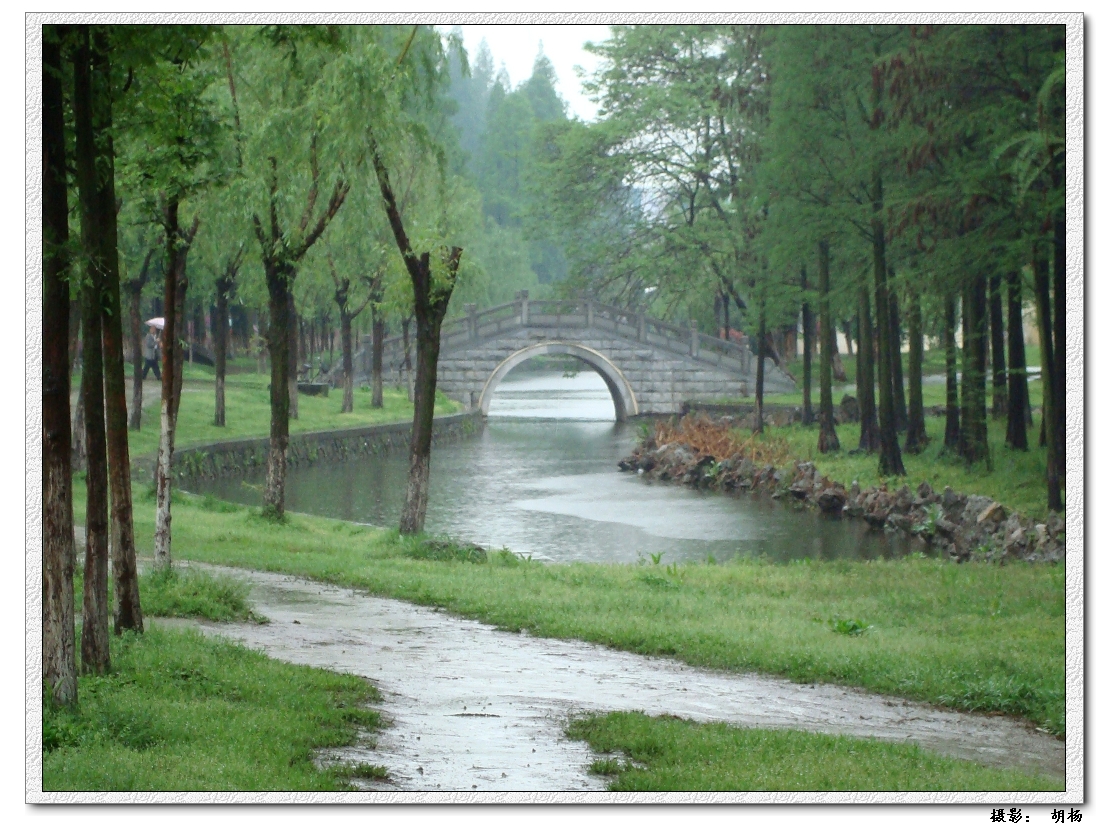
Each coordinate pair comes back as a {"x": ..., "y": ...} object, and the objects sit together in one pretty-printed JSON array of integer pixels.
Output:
[{"x": 475, "y": 708}]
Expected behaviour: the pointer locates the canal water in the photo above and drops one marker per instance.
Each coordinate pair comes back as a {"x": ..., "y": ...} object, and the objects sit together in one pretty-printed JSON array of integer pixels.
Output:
[{"x": 541, "y": 480}]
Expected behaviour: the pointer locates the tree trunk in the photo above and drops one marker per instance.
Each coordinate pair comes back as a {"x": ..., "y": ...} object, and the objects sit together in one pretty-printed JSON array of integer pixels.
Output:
[
  {"x": 348, "y": 361},
  {"x": 407, "y": 350},
  {"x": 95, "y": 656},
  {"x": 279, "y": 280},
  {"x": 294, "y": 361},
  {"x": 59, "y": 664},
  {"x": 134, "y": 307},
  {"x": 997, "y": 350},
  {"x": 916, "y": 436},
  {"x": 864, "y": 375},
  {"x": 224, "y": 287},
  {"x": 828, "y": 440},
  {"x": 1016, "y": 433},
  {"x": 975, "y": 441},
  {"x": 760, "y": 369},
  {"x": 806, "y": 365},
  {"x": 889, "y": 458},
  {"x": 1059, "y": 322},
  {"x": 846, "y": 336},
  {"x": 125, "y": 574},
  {"x": 163, "y": 475},
  {"x": 1047, "y": 381},
  {"x": 430, "y": 311},
  {"x": 77, "y": 446},
  {"x": 900, "y": 409},
  {"x": 951, "y": 437},
  {"x": 173, "y": 365},
  {"x": 377, "y": 326}
]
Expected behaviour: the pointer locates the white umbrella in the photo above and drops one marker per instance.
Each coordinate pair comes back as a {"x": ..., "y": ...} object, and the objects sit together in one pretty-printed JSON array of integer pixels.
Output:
[{"x": 158, "y": 322}]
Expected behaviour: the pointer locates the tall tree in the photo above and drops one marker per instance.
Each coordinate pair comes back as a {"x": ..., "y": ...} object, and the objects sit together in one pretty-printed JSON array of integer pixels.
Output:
[
  {"x": 900, "y": 408},
  {"x": 95, "y": 657},
  {"x": 59, "y": 665},
  {"x": 1016, "y": 434},
  {"x": 431, "y": 298},
  {"x": 806, "y": 367},
  {"x": 916, "y": 435},
  {"x": 828, "y": 440},
  {"x": 125, "y": 574},
  {"x": 292, "y": 79},
  {"x": 347, "y": 315},
  {"x": 973, "y": 434},
  {"x": 951, "y": 439},
  {"x": 1051, "y": 404},
  {"x": 225, "y": 291},
  {"x": 864, "y": 375},
  {"x": 997, "y": 350},
  {"x": 134, "y": 288}
]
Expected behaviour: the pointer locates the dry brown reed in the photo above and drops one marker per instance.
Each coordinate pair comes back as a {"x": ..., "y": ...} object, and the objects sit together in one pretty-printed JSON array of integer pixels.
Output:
[{"x": 708, "y": 437}]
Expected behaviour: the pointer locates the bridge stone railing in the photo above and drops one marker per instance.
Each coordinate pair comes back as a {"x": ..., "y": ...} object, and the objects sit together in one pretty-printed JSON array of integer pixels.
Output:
[{"x": 478, "y": 326}]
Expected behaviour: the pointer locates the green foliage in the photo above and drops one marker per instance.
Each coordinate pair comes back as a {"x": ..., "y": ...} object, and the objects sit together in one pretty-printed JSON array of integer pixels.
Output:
[
  {"x": 191, "y": 593},
  {"x": 248, "y": 411},
  {"x": 184, "y": 712},
  {"x": 848, "y": 626},
  {"x": 666, "y": 753}
]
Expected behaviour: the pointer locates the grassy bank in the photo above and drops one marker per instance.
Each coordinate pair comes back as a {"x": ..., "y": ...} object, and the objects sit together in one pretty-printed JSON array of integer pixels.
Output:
[
  {"x": 248, "y": 411},
  {"x": 670, "y": 754},
  {"x": 973, "y": 637},
  {"x": 1014, "y": 478},
  {"x": 184, "y": 712},
  {"x": 181, "y": 592}
]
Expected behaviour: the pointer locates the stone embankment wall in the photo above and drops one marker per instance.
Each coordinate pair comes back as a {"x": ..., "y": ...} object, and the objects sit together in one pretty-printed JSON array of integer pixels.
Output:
[
  {"x": 236, "y": 457},
  {"x": 963, "y": 527}
]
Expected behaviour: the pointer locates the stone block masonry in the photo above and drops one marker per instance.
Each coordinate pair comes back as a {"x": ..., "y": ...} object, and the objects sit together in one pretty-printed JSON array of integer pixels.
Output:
[
  {"x": 236, "y": 457},
  {"x": 650, "y": 367}
]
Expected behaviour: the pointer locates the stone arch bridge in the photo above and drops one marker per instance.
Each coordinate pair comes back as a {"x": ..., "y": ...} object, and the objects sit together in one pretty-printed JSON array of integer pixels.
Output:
[{"x": 649, "y": 366}]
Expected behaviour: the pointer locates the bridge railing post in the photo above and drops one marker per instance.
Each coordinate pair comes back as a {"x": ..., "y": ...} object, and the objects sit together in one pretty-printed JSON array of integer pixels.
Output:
[
  {"x": 471, "y": 316},
  {"x": 694, "y": 338},
  {"x": 641, "y": 326},
  {"x": 522, "y": 298}
]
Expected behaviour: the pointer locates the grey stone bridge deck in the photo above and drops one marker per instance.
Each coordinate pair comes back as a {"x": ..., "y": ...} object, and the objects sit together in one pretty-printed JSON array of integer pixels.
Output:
[{"x": 649, "y": 366}]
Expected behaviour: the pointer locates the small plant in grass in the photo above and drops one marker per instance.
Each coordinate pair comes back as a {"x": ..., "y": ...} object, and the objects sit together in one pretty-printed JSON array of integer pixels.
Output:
[
  {"x": 608, "y": 767},
  {"x": 932, "y": 514},
  {"x": 362, "y": 770},
  {"x": 191, "y": 593},
  {"x": 848, "y": 626}
]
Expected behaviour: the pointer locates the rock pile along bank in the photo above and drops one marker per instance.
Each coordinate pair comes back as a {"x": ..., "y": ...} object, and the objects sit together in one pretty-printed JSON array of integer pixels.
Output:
[{"x": 963, "y": 527}]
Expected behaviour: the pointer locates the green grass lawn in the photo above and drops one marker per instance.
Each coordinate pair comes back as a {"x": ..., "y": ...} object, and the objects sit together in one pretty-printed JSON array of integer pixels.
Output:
[
  {"x": 932, "y": 393},
  {"x": 970, "y": 636},
  {"x": 182, "y": 711},
  {"x": 248, "y": 411},
  {"x": 1014, "y": 478},
  {"x": 671, "y": 754}
]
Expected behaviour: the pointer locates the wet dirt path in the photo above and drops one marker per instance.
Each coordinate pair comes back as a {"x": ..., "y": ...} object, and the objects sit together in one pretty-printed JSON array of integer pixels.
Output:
[{"x": 475, "y": 708}]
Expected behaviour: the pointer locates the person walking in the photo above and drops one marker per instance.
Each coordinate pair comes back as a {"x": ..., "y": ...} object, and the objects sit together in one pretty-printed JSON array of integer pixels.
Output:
[{"x": 150, "y": 353}]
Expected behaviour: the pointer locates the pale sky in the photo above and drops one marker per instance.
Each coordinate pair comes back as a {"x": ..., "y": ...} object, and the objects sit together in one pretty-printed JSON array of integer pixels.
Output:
[{"x": 516, "y": 47}]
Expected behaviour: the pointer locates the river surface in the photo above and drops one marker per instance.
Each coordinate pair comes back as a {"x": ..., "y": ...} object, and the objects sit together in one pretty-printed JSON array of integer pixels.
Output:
[{"x": 541, "y": 480}]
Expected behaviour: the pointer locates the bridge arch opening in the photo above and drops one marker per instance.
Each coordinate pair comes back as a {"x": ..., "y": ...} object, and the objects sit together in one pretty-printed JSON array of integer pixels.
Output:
[{"x": 623, "y": 398}]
